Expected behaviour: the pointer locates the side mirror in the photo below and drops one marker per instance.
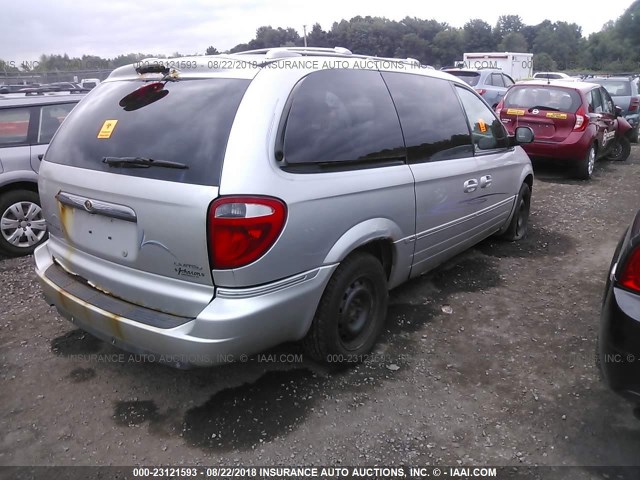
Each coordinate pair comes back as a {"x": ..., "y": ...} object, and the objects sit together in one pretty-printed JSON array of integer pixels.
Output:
[
  {"x": 618, "y": 111},
  {"x": 524, "y": 135}
]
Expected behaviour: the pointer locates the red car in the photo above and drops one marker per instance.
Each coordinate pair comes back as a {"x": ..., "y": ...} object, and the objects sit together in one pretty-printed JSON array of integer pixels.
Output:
[{"x": 572, "y": 121}]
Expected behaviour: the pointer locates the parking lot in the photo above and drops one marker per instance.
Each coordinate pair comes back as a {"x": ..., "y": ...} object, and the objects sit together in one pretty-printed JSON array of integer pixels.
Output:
[{"x": 489, "y": 360}]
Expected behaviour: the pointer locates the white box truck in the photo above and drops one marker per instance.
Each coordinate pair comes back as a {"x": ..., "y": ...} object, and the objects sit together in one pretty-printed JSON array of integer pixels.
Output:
[{"x": 517, "y": 65}]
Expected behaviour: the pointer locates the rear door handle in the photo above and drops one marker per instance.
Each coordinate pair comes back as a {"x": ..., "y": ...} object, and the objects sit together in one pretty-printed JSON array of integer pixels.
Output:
[
  {"x": 470, "y": 185},
  {"x": 485, "y": 181}
]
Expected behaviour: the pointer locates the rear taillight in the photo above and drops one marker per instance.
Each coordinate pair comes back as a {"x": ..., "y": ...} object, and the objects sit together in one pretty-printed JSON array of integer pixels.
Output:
[
  {"x": 581, "y": 120},
  {"x": 630, "y": 276},
  {"x": 481, "y": 91},
  {"x": 242, "y": 229},
  {"x": 499, "y": 107},
  {"x": 634, "y": 104}
]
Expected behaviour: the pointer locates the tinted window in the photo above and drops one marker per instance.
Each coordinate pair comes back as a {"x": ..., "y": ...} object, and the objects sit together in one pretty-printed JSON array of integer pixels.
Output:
[
  {"x": 496, "y": 80},
  {"x": 432, "y": 119},
  {"x": 543, "y": 97},
  {"x": 14, "y": 126},
  {"x": 487, "y": 131},
  {"x": 341, "y": 116},
  {"x": 51, "y": 117},
  {"x": 186, "y": 121},
  {"x": 470, "y": 78}
]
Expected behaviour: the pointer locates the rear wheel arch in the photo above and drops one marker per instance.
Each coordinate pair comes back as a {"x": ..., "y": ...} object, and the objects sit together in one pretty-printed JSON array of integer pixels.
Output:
[{"x": 25, "y": 185}]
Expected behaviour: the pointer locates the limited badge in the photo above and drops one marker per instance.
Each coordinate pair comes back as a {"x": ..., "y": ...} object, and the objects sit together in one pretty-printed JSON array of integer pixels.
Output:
[
  {"x": 515, "y": 111},
  {"x": 107, "y": 128}
]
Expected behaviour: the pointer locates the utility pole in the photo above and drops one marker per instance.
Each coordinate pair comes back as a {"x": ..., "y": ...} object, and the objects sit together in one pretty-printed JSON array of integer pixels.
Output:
[{"x": 304, "y": 29}]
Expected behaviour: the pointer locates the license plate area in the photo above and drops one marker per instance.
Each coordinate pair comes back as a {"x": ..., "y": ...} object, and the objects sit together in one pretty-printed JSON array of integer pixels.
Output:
[{"x": 107, "y": 237}]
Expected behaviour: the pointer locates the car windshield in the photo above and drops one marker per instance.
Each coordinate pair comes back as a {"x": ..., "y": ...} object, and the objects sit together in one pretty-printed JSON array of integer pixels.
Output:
[
  {"x": 543, "y": 97},
  {"x": 616, "y": 88},
  {"x": 471, "y": 78}
]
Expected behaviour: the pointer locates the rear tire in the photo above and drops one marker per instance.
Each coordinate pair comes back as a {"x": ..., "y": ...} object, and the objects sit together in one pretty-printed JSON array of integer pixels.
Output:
[
  {"x": 519, "y": 222},
  {"x": 351, "y": 312},
  {"x": 22, "y": 226},
  {"x": 621, "y": 150},
  {"x": 587, "y": 165}
]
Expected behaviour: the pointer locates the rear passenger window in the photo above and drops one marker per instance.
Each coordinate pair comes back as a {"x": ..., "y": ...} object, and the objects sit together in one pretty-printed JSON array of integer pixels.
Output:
[
  {"x": 595, "y": 101},
  {"x": 507, "y": 80},
  {"x": 51, "y": 116},
  {"x": 433, "y": 122},
  {"x": 496, "y": 80},
  {"x": 338, "y": 117},
  {"x": 487, "y": 131},
  {"x": 14, "y": 126}
]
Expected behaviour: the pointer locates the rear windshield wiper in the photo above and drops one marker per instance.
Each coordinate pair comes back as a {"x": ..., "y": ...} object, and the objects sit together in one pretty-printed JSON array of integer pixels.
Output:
[
  {"x": 544, "y": 107},
  {"x": 141, "y": 162}
]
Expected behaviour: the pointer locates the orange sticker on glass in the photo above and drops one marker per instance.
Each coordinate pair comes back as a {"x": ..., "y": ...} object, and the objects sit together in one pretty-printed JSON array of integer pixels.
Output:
[
  {"x": 482, "y": 125},
  {"x": 107, "y": 128},
  {"x": 562, "y": 116},
  {"x": 515, "y": 111}
]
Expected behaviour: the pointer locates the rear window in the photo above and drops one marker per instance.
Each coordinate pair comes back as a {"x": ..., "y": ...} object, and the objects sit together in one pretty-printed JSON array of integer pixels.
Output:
[
  {"x": 186, "y": 122},
  {"x": 544, "y": 98},
  {"x": 617, "y": 88},
  {"x": 470, "y": 78}
]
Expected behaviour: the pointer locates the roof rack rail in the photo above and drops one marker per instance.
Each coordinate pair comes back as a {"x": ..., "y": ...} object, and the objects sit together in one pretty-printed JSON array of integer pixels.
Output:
[{"x": 45, "y": 90}]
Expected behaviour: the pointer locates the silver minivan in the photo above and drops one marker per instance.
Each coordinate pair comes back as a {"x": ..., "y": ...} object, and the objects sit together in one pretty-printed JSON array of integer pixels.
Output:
[{"x": 211, "y": 207}]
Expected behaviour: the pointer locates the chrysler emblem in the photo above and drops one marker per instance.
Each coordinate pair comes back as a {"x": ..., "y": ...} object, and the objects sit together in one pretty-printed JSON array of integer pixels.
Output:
[{"x": 88, "y": 206}]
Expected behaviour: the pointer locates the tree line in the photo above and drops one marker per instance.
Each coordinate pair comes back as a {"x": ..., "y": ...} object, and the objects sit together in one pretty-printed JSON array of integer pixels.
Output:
[{"x": 555, "y": 45}]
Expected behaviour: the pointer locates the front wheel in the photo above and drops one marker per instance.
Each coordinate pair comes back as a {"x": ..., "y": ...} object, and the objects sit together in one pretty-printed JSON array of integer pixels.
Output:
[
  {"x": 520, "y": 222},
  {"x": 620, "y": 150},
  {"x": 351, "y": 312}
]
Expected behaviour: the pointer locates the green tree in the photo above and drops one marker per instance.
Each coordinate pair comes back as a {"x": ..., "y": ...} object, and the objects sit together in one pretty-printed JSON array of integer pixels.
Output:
[
  {"x": 448, "y": 46},
  {"x": 478, "y": 36},
  {"x": 211, "y": 51},
  {"x": 514, "y": 42},
  {"x": 542, "y": 62}
]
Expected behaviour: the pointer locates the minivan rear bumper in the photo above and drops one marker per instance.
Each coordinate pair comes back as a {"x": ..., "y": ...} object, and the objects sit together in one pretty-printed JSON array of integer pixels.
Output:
[{"x": 235, "y": 324}]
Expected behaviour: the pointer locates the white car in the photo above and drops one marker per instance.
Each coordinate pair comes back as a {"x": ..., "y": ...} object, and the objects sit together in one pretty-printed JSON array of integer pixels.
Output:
[{"x": 552, "y": 76}]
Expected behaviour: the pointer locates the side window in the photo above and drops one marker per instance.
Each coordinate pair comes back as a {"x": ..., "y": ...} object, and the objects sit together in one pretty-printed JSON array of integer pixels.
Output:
[
  {"x": 496, "y": 80},
  {"x": 51, "y": 117},
  {"x": 339, "y": 116},
  {"x": 508, "y": 81},
  {"x": 607, "y": 102},
  {"x": 433, "y": 122},
  {"x": 595, "y": 102},
  {"x": 14, "y": 126},
  {"x": 487, "y": 131}
]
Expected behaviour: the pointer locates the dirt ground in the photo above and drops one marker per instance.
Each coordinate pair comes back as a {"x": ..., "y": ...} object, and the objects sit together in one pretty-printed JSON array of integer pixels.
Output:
[{"x": 489, "y": 360}]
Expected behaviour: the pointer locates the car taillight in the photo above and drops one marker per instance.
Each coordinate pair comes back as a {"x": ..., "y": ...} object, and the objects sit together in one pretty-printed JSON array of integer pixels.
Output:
[
  {"x": 241, "y": 229},
  {"x": 634, "y": 104},
  {"x": 581, "y": 120},
  {"x": 630, "y": 276},
  {"x": 481, "y": 91},
  {"x": 499, "y": 107}
]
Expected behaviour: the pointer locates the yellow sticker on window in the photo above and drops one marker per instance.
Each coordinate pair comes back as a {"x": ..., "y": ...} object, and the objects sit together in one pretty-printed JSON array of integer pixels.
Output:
[
  {"x": 515, "y": 111},
  {"x": 482, "y": 125},
  {"x": 107, "y": 128},
  {"x": 559, "y": 115}
]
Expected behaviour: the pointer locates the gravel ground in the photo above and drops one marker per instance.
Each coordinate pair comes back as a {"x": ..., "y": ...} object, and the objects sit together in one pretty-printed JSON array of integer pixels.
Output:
[{"x": 489, "y": 360}]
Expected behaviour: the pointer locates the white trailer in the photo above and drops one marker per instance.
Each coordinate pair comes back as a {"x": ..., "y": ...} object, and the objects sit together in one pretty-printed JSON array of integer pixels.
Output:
[{"x": 517, "y": 65}]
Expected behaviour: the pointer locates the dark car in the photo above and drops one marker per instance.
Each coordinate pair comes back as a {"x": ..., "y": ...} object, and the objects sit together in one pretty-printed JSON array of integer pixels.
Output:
[
  {"x": 491, "y": 84},
  {"x": 625, "y": 93},
  {"x": 574, "y": 122},
  {"x": 619, "y": 339}
]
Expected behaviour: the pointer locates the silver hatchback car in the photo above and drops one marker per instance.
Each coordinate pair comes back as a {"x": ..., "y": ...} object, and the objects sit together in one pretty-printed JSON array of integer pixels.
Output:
[{"x": 209, "y": 207}]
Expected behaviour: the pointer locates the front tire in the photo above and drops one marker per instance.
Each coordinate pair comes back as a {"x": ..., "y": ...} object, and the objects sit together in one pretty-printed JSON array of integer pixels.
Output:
[
  {"x": 587, "y": 164},
  {"x": 520, "y": 221},
  {"x": 351, "y": 312},
  {"x": 22, "y": 226},
  {"x": 621, "y": 150}
]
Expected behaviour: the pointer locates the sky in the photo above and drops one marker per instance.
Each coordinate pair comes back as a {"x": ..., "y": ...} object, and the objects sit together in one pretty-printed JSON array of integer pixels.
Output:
[{"x": 113, "y": 27}]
